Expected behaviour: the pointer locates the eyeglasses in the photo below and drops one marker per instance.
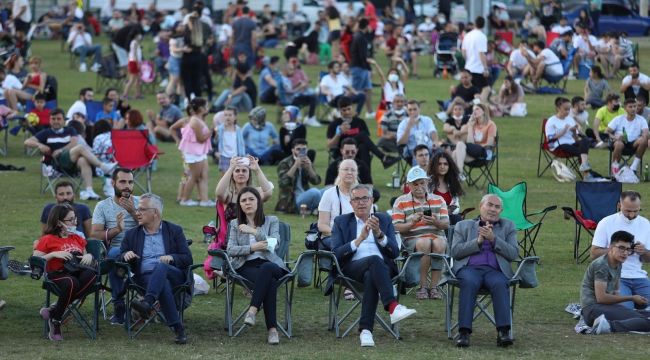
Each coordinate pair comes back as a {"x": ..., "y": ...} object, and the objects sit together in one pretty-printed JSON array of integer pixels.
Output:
[
  {"x": 140, "y": 210},
  {"x": 360, "y": 199},
  {"x": 72, "y": 219},
  {"x": 349, "y": 152},
  {"x": 625, "y": 249}
]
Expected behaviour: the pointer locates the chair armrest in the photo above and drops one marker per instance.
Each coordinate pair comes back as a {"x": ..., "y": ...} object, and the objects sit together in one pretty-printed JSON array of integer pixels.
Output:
[
  {"x": 223, "y": 255},
  {"x": 527, "y": 272},
  {"x": 542, "y": 212},
  {"x": 446, "y": 260},
  {"x": 37, "y": 264}
]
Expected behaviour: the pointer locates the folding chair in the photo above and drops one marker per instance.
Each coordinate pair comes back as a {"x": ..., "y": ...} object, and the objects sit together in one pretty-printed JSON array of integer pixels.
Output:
[
  {"x": 50, "y": 174},
  {"x": 514, "y": 209},
  {"x": 627, "y": 157},
  {"x": 29, "y": 105},
  {"x": 484, "y": 169},
  {"x": 93, "y": 108},
  {"x": 233, "y": 279},
  {"x": 594, "y": 201},
  {"x": 408, "y": 276},
  {"x": 572, "y": 161},
  {"x": 132, "y": 150},
  {"x": 4, "y": 261},
  {"x": 109, "y": 74},
  {"x": 90, "y": 327},
  {"x": 554, "y": 81}
]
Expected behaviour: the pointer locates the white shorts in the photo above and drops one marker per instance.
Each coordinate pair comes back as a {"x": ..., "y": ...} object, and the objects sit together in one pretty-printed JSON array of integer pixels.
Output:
[{"x": 193, "y": 159}]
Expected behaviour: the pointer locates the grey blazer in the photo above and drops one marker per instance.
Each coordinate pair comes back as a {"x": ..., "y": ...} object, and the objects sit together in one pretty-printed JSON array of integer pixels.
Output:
[
  {"x": 239, "y": 244},
  {"x": 465, "y": 244}
]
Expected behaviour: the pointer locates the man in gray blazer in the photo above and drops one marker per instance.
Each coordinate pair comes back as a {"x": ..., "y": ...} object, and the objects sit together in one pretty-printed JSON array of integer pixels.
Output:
[{"x": 483, "y": 249}]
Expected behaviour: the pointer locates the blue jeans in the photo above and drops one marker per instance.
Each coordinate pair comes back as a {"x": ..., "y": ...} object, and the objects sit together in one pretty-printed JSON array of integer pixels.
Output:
[
  {"x": 265, "y": 157},
  {"x": 242, "y": 101},
  {"x": 159, "y": 284},
  {"x": 117, "y": 283},
  {"x": 311, "y": 198},
  {"x": 472, "y": 279},
  {"x": 360, "y": 79},
  {"x": 85, "y": 50},
  {"x": 640, "y": 286}
]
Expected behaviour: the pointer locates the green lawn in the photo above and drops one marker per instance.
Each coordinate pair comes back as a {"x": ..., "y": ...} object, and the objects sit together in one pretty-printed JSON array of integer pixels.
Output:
[{"x": 543, "y": 329}]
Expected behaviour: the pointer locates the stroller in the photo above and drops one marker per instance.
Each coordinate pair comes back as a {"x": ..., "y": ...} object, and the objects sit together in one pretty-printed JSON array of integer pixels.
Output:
[{"x": 445, "y": 55}]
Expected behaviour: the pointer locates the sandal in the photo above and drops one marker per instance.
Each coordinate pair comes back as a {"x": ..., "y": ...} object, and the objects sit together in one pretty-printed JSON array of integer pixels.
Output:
[
  {"x": 422, "y": 294},
  {"x": 435, "y": 294},
  {"x": 348, "y": 294}
]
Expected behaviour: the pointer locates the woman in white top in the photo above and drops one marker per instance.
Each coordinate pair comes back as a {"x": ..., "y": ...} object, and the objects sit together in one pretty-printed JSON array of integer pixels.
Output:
[
  {"x": 336, "y": 200},
  {"x": 176, "y": 45},
  {"x": 393, "y": 85}
]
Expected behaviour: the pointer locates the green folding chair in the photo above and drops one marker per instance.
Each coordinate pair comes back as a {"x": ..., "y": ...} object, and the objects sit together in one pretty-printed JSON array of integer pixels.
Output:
[{"x": 514, "y": 209}]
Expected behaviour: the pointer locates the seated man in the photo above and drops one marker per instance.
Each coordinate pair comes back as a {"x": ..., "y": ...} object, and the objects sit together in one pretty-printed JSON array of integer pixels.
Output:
[
  {"x": 81, "y": 43},
  {"x": 79, "y": 106},
  {"x": 562, "y": 45},
  {"x": 365, "y": 247},
  {"x": 108, "y": 113},
  {"x": 634, "y": 280},
  {"x": 641, "y": 107},
  {"x": 421, "y": 218},
  {"x": 579, "y": 113},
  {"x": 635, "y": 83},
  {"x": 422, "y": 156},
  {"x": 336, "y": 85},
  {"x": 545, "y": 63},
  {"x": 168, "y": 115},
  {"x": 59, "y": 145},
  {"x": 159, "y": 256},
  {"x": 295, "y": 173},
  {"x": 517, "y": 61},
  {"x": 270, "y": 78},
  {"x": 390, "y": 123},
  {"x": 463, "y": 93},
  {"x": 298, "y": 92},
  {"x": 349, "y": 150},
  {"x": 350, "y": 125},
  {"x": 629, "y": 134},
  {"x": 599, "y": 295},
  {"x": 64, "y": 194},
  {"x": 483, "y": 249},
  {"x": 603, "y": 117},
  {"x": 260, "y": 137},
  {"x": 416, "y": 130},
  {"x": 585, "y": 45},
  {"x": 564, "y": 133}
]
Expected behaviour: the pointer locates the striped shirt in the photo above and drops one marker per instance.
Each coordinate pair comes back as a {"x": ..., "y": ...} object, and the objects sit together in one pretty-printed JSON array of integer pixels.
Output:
[{"x": 406, "y": 207}]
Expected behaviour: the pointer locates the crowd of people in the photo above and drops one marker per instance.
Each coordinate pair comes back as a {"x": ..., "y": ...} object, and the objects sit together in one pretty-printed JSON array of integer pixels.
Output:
[{"x": 191, "y": 47}]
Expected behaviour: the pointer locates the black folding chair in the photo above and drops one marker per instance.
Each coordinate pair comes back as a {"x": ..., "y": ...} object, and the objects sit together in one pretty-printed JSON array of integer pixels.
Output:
[{"x": 479, "y": 171}]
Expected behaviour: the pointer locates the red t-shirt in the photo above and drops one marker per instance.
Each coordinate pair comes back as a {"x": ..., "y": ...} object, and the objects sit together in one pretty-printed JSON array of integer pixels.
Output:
[
  {"x": 371, "y": 14},
  {"x": 52, "y": 243},
  {"x": 43, "y": 116}
]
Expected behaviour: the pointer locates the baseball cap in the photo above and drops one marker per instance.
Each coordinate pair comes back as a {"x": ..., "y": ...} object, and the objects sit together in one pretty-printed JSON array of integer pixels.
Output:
[{"x": 416, "y": 173}]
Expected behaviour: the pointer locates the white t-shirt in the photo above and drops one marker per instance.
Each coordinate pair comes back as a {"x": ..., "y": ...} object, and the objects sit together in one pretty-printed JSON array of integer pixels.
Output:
[
  {"x": 330, "y": 202},
  {"x": 518, "y": 60},
  {"x": 474, "y": 43},
  {"x": 77, "y": 107},
  {"x": 27, "y": 15},
  {"x": 554, "y": 126},
  {"x": 135, "y": 51},
  {"x": 552, "y": 62},
  {"x": 11, "y": 82},
  {"x": 582, "y": 45},
  {"x": 389, "y": 92},
  {"x": 639, "y": 227},
  {"x": 633, "y": 128},
  {"x": 224, "y": 33},
  {"x": 643, "y": 79},
  {"x": 336, "y": 86},
  {"x": 561, "y": 29},
  {"x": 79, "y": 40},
  {"x": 582, "y": 118},
  {"x": 229, "y": 144}
]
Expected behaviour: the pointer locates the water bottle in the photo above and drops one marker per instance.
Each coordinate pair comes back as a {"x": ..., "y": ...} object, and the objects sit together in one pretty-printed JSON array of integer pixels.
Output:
[
  {"x": 646, "y": 173},
  {"x": 624, "y": 136},
  {"x": 207, "y": 237}
]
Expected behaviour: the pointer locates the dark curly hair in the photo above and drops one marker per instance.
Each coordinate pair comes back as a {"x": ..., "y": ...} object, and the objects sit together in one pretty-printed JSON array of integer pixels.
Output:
[{"x": 451, "y": 178}]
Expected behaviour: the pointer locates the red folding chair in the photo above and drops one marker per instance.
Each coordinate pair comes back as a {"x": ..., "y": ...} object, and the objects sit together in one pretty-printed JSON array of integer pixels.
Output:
[
  {"x": 550, "y": 36},
  {"x": 549, "y": 155},
  {"x": 132, "y": 150}
]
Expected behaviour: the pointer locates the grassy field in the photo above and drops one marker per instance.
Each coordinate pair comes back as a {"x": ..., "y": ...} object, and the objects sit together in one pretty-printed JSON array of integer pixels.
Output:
[{"x": 543, "y": 329}]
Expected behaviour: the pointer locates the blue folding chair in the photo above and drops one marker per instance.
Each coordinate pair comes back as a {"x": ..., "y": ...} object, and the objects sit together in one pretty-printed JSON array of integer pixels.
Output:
[
  {"x": 29, "y": 105},
  {"x": 92, "y": 109},
  {"x": 554, "y": 81},
  {"x": 594, "y": 201}
]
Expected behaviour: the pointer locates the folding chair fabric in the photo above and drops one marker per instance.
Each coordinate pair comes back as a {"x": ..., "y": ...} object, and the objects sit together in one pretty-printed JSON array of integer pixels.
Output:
[
  {"x": 484, "y": 168},
  {"x": 132, "y": 150}
]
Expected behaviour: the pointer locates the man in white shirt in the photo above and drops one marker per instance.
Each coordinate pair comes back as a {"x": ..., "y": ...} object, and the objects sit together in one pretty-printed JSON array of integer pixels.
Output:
[
  {"x": 517, "y": 61},
  {"x": 585, "y": 45},
  {"x": 474, "y": 48},
  {"x": 546, "y": 63},
  {"x": 81, "y": 43},
  {"x": 579, "y": 113},
  {"x": 634, "y": 280},
  {"x": 415, "y": 130},
  {"x": 635, "y": 83},
  {"x": 79, "y": 106},
  {"x": 21, "y": 15},
  {"x": 562, "y": 27},
  {"x": 334, "y": 85},
  {"x": 562, "y": 133},
  {"x": 629, "y": 133}
]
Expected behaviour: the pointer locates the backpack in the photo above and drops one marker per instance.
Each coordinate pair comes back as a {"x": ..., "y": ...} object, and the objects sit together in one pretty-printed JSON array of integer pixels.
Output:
[
  {"x": 314, "y": 239},
  {"x": 627, "y": 176},
  {"x": 561, "y": 172}
]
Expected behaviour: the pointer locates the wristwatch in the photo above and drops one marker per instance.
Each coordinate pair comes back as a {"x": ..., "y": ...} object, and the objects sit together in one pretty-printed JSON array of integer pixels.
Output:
[{"x": 381, "y": 236}]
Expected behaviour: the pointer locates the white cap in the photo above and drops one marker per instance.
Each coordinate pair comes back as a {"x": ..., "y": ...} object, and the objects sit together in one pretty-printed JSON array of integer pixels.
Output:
[{"x": 416, "y": 173}]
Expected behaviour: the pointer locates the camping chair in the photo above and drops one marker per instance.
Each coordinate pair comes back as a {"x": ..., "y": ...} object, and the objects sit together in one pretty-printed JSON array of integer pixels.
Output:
[
  {"x": 627, "y": 157},
  {"x": 479, "y": 171},
  {"x": 90, "y": 327},
  {"x": 525, "y": 277},
  {"x": 233, "y": 279},
  {"x": 594, "y": 201},
  {"x": 408, "y": 276},
  {"x": 4, "y": 261},
  {"x": 554, "y": 81},
  {"x": 572, "y": 161},
  {"x": 132, "y": 150},
  {"x": 514, "y": 209},
  {"x": 109, "y": 75},
  {"x": 51, "y": 173},
  {"x": 29, "y": 105},
  {"x": 93, "y": 107}
]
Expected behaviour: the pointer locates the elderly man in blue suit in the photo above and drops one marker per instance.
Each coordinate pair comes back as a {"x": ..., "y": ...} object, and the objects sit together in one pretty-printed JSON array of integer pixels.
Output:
[
  {"x": 365, "y": 247},
  {"x": 159, "y": 256},
  {"x": 483, "y": 250}
]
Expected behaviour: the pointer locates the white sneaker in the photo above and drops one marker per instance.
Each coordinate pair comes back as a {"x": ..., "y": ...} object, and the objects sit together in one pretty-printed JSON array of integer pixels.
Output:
[
  {"x": 400, "y": 313},
  {"x": 585, "y": 166},
  {"x": 189, "y": 203},
  {"x": 108, "y": 168},
  {"x": 600, "y": 145},
  {"x": 370, "y": 115},
  {"x": 108, "y": 189},
  {"x": 88, "y": 195},
  {"x": 95, "y": 67},
  {"x": 83, "y": 67},
  {"x": 601, "y": 325},
  {"x": 311, "y": 121},
  {"x": 207, "y": 203},
  {"x": 366, "y": 339}
]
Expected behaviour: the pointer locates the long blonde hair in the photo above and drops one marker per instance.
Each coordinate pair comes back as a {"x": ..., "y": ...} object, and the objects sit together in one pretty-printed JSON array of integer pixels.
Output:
[{"x": 486, "y": 114}]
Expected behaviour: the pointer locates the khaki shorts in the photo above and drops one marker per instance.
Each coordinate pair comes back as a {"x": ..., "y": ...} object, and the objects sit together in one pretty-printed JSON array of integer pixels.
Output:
[{"x": 409, "y": 244}]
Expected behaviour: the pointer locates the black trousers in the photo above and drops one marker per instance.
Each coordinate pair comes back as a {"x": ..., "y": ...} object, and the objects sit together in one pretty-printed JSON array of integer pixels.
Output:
[
  {"x": 578, "y": 148},
  {"x": 621, "y": 319},
  {"x": 265, "y": 275},
  {"x": 191, "y": 73},
  {"x": 306, "y": 100},
  {"x": 72, "y": 286}
]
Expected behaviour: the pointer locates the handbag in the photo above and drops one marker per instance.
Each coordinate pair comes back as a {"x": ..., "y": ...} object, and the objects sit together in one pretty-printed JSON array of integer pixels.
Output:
[
  {"x": 518, "y": 110},
  {"x": 561, "y": 172}
]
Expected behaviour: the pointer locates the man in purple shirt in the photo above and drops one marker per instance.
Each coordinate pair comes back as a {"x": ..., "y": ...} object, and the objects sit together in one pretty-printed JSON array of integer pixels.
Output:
[{"x": 483, "y": 249}]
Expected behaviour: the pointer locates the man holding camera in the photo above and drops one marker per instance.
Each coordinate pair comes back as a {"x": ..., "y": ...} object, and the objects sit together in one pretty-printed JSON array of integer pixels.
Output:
[
  {"x": 81, "y": 43},
  {"x": 295, "y": 173},
  {"x": 421, "y": 218},
  {"x": 634, "y": 280},
  {"x": 483, "y": 250}
]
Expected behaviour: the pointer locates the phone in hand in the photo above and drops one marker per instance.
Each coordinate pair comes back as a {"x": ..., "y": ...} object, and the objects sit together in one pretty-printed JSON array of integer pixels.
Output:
[
  {"x": 243, "y": 161},
  {"x": 303, "y": 152},
  {"x": 427, "y": 212}
]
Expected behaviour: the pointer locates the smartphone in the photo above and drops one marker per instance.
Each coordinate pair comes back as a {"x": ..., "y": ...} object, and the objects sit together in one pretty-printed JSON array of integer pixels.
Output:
[
  {"x": 244, "y": 161},
  {"x": 427, "y": 212},
  {"x": 303, "y": 152}
]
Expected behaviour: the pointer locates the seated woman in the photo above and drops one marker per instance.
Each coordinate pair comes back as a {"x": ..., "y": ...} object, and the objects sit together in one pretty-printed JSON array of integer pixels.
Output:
[
  {"x": 33, "y": 83},
  {"x": 509, "y": 94},
  {"x": 596, "y": 87},
  {"x": 336, "y": 200},
  {"x": 481, "y": 138},
  {"x": 455, "y": 127},
  {"x": 252, "y": 240},
  {"x": 59, "y": 244},
  {"x": 445, "y": 182}
]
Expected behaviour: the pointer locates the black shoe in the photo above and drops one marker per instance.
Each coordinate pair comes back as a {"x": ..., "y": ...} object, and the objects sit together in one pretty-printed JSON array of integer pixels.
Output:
[
  {"x": 143, "y": 308},
  {"x": 504, "y": 339},
  {"x": 463, "y": 340},
  {"x": 118, "y": 317},
  {"x": 180, "y": 338},
  {"x": 389, "y": 161}
]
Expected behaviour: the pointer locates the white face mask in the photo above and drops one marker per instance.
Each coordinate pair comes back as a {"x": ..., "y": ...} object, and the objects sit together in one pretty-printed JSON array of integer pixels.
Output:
[
  {"x": 399, "y": 112},
  {"x": 393, "y": 77},
  {"x": 457, "y": 117},
  {"x": 71, "y": 229}
]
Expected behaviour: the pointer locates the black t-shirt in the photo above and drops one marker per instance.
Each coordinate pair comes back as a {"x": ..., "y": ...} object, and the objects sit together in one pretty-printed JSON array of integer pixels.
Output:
[
  {"x": 362, "y": 169},
  {"x": 467, "y": 94},
  {"x": 357, "y": 126},
  {"x": 123, "y": 36},
  {"x": 359, "y": 51},
  {"x": 300, "y": 132},
  {"x": 251, "y": 89},
  {"x": 452, "y": 122}
]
